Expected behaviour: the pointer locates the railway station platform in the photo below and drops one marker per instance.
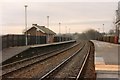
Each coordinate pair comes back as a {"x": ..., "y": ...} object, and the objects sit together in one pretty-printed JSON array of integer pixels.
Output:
[
  {"x": 107, "y": 60},
  {"x": 12, "y": 51}
]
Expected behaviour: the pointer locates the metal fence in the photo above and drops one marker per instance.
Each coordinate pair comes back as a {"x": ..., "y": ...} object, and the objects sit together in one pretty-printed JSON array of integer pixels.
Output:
[
  {"x": 19, "y": 40},
  {"x": 61, "y": 38},
  {"x": 12, "y": 40}
]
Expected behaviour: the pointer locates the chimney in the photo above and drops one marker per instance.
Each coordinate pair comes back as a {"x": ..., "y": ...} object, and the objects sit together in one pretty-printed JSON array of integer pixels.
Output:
[
  {"x": 43, "y": 26},
  {"x": 34, "y": 24}
]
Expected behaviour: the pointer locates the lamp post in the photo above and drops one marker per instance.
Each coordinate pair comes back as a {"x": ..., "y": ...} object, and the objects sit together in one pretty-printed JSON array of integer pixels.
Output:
[
  {"x": 69, "y": 34},
  {"x": 98, "y": 32},
  {"x": 98, "y": 29},
  {"x": 60, "y": 32},
  {"x": 103, "y": 29},
  {"x": 66, "y": 33},
  {"x": 66, "y": 29},
  {"x": 26, "y": 40},
  {"x": 48, "y": 28}
]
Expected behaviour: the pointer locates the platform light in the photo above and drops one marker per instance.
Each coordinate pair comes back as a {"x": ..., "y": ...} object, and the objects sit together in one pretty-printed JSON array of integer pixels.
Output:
[
  {"x": 60, "y": 31},
  {"x": 26, "y": 40},
  {"x": 103, "y": 29},
  {"x": 69, "y": 34},
  {"x": 48, "y": 28},
  {"x": 66, "y": 33}
]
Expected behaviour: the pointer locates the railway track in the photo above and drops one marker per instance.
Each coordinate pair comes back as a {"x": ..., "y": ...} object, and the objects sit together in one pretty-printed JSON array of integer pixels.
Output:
[
  {"x": 71, "y": 67},
  {"x": 30, "y": 63},
  {"x": 27, "y": 61}
]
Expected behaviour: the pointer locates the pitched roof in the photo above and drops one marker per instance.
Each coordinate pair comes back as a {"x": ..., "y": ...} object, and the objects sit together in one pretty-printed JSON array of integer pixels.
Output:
[{"x": 43, "y": 29}]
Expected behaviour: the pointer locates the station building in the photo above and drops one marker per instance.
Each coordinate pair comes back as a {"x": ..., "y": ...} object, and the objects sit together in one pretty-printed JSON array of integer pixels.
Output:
[{"x": 37, "y": 30}]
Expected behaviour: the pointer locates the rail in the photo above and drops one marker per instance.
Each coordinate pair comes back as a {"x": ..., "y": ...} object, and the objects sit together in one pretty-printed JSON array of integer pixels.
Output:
[
  {"x": 61, "y": 64},
  {"x": 84, "y": 62},
  {"x": 7, "y": 73}
]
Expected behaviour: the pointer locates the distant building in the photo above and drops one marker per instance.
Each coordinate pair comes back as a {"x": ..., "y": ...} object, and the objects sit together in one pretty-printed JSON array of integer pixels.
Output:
[{"x": 37, "y": 30}]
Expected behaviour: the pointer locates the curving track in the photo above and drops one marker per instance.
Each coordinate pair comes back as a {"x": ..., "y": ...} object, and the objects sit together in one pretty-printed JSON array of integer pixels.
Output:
[
  {"x": 64, "y": 64},
  {"x": 16, "y": 70},
  {"x": 27, "y": 61},
  {"x": 71, "y": 67}
]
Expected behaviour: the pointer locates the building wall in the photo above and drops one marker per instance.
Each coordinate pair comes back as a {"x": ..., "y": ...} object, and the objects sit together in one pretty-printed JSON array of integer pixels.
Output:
[
  {"x": 50, "y": 39},
  {"x": 33, "y": 32},
  {"x": 119, "y": 8},
  {"x": 118, "y": 22}
]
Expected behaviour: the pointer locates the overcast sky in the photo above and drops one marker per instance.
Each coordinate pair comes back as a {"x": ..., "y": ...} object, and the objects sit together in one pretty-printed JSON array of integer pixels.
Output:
[{"x": 78, "y": 16}]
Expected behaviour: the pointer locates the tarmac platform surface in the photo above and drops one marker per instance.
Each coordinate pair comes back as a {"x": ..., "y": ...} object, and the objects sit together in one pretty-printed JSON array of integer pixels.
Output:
[
  {"x": 107, "y": 60},
  {"x": 12, "y": 51}
]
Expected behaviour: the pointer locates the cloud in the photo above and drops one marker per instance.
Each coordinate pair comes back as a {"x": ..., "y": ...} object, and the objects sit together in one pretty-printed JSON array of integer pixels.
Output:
[{"x": 70, "y": 13}]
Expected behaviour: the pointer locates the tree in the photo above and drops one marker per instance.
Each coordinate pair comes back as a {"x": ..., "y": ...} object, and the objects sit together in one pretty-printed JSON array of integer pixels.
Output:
[
  {"x": 111, "y": 32},
  {"x": 89, "y": 35}
]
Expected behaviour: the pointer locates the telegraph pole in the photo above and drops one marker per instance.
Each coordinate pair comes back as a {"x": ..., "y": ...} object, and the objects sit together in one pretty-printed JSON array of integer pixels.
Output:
[{"x": 26, "y": 40}]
